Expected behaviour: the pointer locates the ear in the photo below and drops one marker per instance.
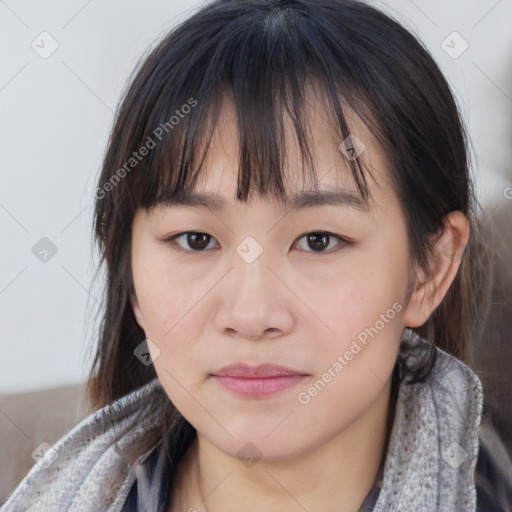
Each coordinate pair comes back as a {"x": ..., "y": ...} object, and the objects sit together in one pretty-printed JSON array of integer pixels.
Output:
[
  {"x": 136, "y": 310},
  {"x": 430, "y": 290}
]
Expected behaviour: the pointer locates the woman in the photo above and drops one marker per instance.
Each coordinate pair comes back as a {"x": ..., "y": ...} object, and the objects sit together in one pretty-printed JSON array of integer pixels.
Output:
[{"x": 290, "y": 235}]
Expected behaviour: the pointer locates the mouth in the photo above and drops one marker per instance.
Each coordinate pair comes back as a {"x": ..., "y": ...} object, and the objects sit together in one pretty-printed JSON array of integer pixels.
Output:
[{"x": 259, "y": 381}]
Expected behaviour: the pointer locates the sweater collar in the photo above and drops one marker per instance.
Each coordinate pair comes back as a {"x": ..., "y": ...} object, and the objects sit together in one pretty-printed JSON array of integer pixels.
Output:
[
  {"x": 433, "y": 446},
  {"x": 429, "y": 465}
]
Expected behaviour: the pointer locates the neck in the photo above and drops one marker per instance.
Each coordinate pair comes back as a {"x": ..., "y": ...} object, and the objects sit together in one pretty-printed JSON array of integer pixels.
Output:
[{"x": 343, "y": 470}]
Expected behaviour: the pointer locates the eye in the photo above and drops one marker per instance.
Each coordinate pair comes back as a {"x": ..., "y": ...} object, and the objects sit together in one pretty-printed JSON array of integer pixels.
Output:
[
  {"x": 191, "y": 241},
  {"x": 318, "y": 241}
]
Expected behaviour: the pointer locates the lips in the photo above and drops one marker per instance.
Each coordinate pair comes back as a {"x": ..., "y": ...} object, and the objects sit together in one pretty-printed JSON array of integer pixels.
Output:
[
  {"x": 258, "y": 381},
  {"x": 261, "y": 371}
]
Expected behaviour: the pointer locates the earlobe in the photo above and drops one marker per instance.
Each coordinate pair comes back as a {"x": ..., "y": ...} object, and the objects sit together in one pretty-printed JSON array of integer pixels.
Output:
[
  {"x": 417, "y": 310},
  {"x": 137, "y": 311},
  {"x": 432, "y": 288}
]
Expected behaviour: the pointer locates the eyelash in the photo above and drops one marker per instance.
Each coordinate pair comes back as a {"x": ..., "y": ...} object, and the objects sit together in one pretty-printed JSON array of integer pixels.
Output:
[{"x": 343, "y": 242}]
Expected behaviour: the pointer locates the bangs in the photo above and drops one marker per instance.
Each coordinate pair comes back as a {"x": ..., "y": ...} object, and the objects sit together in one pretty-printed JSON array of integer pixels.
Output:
[{"x": 263, "y": 64}]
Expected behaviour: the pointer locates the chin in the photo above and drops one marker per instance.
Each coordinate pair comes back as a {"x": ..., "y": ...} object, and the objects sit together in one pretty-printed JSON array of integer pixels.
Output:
[{"x": 251, "y": 445}]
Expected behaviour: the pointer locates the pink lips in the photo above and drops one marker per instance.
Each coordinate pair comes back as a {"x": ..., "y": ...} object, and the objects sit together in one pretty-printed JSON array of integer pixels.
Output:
[{"x": 263, "y": 380}]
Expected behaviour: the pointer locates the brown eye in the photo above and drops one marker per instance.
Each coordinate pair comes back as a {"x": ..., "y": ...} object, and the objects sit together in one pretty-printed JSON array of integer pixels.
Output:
[
  {"x": 319, "y": 241},
  {"x": 198, "y": 241},
  {"x": 191, "y": 241}
]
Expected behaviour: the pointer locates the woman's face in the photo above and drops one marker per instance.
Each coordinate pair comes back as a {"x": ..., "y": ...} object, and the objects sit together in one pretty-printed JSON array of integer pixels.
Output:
[{"x": 252, "y": 288}]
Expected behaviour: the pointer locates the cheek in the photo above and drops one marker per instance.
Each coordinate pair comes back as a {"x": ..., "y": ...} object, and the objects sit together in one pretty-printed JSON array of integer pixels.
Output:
[
  {"x": 356, "y": 355},
  {"x": 357, "y": 293},
  {"x": 360, "y": 306},
  {"x": 175, "y": 309},
  {"x": 166, "y": 297}
]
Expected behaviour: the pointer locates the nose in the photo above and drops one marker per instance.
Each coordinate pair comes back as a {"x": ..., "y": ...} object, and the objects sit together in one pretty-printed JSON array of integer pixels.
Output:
[{"x": 254, "y": 303}]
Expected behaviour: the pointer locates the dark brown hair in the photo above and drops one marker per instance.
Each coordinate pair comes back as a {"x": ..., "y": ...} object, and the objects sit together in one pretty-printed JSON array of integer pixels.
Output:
[{"x": 261, "y": 55}]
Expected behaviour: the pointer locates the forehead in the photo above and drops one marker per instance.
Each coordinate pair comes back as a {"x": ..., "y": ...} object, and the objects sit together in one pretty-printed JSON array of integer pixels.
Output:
[
  {"x": 332, "y": 183},
  {"x": 285, "y": 162}
]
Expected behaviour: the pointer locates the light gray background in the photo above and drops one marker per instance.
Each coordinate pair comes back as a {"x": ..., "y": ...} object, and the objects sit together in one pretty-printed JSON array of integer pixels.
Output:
[{"x": 56, "y": 114}]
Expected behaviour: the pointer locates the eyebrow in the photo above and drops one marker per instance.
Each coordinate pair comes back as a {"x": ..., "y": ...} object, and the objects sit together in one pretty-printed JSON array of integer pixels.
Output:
[{"x": 301, "y": 200}]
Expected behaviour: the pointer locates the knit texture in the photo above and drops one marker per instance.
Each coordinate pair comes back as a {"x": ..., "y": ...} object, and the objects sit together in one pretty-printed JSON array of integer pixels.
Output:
[{"x": 429, "y": 465}]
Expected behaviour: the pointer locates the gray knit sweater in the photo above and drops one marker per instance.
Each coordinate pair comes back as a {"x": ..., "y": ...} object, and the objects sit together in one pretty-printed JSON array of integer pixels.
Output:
[{"x": 429, "y": 465}]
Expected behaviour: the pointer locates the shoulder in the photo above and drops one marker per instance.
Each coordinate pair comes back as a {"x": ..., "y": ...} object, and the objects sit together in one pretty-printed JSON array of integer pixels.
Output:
[{"x": 93, "y": 466}]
